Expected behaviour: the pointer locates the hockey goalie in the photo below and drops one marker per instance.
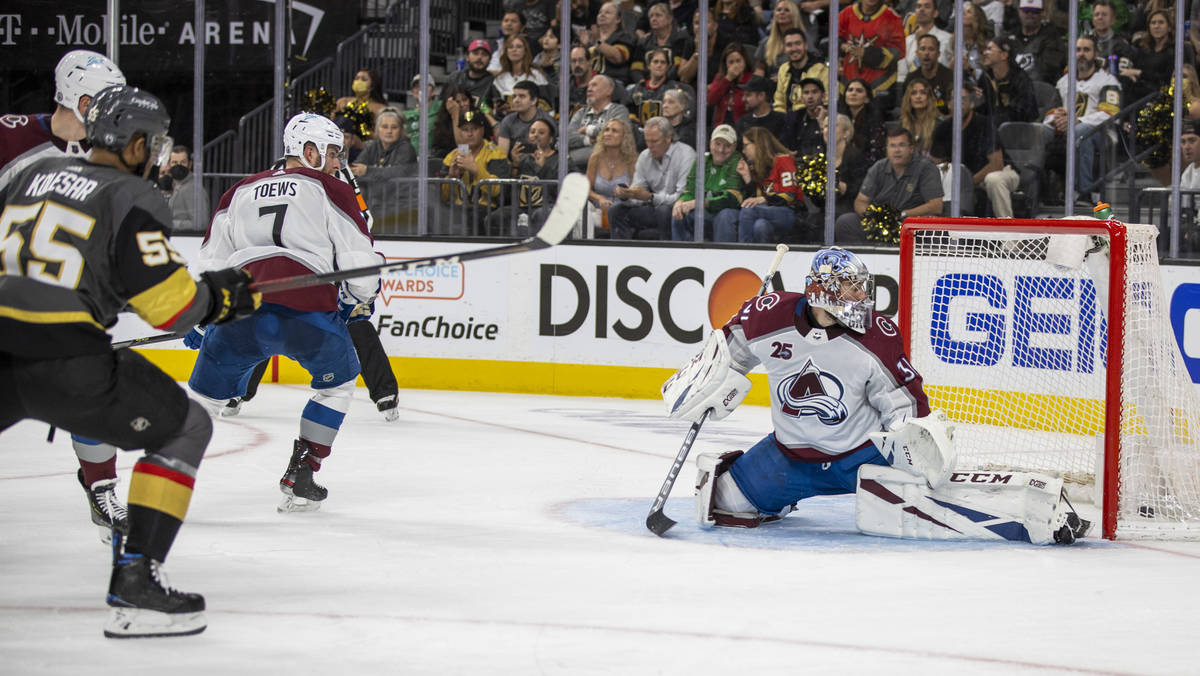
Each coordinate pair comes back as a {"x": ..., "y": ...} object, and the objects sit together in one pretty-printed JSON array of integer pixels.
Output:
[{"x": 849, "y": 416}]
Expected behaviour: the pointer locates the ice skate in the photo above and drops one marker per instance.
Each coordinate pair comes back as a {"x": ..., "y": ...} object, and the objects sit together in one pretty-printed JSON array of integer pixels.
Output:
[
  {"x": 387, "y": 407},
  {"x": 302, "y": 493},
  {"x": 1071, "y": 527},
  {"x": 107, "y": 511},
  {"x": 232, "y": 408},
  {"x": 144, "y": 605}
]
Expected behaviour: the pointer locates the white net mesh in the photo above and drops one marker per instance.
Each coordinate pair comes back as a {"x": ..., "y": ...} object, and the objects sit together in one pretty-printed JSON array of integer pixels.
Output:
[{"x": 1009, "y": 332}]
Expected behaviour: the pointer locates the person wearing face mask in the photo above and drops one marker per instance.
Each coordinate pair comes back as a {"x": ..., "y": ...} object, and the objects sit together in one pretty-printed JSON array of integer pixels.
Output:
[{"x": 175, "y": 179}]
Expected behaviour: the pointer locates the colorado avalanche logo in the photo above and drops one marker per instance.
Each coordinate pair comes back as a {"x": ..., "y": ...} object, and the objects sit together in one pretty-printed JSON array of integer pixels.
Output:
[
  {"x": 764, "y": 303},
  {"x": 813, "y": 392}
]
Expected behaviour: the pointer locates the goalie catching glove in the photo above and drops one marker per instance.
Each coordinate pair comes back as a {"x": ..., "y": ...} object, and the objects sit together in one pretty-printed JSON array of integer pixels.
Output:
[
  {"x": 923, "y": 447},
  {"x": 708, "y": 381}
]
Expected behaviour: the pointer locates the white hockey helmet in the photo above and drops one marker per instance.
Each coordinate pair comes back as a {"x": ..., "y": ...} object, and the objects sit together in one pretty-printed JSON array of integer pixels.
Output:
[
  {"x": 311, "y": 128},
  {"x": 82, "y": 72},
  {"x": 840, "y": 283}
]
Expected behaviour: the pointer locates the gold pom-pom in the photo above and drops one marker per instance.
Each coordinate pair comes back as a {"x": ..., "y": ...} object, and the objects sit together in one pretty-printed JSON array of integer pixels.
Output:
[
  {"x": 881, "y": 223},
  {"x": 359, "y": 115},
  {"x": 811, "y": 177},
  {"x": 318, "y": 101},
  {"x": 1156, "y": 127}
]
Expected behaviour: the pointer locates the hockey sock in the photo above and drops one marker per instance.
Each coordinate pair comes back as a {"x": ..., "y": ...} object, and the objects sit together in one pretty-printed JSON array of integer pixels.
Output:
[
  {"x": 158, "y": 502},
  {"x": 98, "y": 460},
  {"x": 322, "y": 418}
]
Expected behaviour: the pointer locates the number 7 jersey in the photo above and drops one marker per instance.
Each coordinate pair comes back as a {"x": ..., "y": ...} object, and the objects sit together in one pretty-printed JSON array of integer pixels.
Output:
[
  {"x": 830, "y": 387},
  {"x": 292, "y": 222}
]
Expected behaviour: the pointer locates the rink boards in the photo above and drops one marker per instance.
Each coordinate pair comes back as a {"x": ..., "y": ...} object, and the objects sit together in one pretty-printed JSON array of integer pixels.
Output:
[{"x": 594, "y": 319}]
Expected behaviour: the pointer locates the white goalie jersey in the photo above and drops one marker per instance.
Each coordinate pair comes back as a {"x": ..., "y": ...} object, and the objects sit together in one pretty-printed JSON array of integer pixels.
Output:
[
  {"x": 830, "y": 387},
  {"x": 290, "y": 222}
]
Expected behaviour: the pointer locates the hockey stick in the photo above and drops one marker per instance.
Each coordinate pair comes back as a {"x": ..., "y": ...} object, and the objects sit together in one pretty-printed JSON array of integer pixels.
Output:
[
  {"x": 658, "y": 522},
  {"x": 568, "y": 207}
]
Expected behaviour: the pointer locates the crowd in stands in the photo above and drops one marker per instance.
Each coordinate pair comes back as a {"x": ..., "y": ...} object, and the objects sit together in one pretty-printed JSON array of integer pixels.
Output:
[{"x": 634, "y": 95}]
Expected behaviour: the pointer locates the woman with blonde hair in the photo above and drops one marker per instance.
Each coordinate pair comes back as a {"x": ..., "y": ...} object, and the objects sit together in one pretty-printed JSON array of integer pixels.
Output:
[
  {"x": 770, "y": 55},
  {"x": 919, "y": 114},
  {"x": 767, "y": 213},
  {"x": 611, "y": 164},
  {"x": 516, "y": 65}
]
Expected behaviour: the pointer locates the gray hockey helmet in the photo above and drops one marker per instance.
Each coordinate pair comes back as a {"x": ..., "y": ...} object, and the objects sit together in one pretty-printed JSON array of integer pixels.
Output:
[{"x": 119, "y": 113}]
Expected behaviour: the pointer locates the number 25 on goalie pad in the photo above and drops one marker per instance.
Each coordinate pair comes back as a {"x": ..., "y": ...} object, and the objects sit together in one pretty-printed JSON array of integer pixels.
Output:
[{"x": 708, "y": 381}]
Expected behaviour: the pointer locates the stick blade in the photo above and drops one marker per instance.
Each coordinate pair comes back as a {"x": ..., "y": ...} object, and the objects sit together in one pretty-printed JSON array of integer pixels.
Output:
[
  {"x": 572, "y": 196},
  {"x": 659, "y": 523}
]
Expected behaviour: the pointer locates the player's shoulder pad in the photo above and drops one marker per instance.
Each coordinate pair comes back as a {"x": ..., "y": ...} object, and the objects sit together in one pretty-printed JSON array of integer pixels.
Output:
[
  {"x": 15, "y": 121},
  {"x": 881, "y": 337},
  {"x": 767, "y": 313}
]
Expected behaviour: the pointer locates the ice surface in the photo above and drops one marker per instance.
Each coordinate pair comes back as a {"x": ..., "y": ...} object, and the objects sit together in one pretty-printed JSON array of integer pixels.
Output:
[{"x": 503, "y": 534}]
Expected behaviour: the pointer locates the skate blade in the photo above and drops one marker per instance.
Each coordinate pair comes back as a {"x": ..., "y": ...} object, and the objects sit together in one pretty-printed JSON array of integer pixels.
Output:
[
  {"x": 140, "y": 623},
  {"x": 391, "y": 415},
  {"x": 292, "y": 503}
]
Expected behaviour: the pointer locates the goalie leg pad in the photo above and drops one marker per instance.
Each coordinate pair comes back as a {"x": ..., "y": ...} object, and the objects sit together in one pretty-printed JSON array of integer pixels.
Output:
[
  {"x": 972, "y": 505},
  {"x": 719, "y": 500}
]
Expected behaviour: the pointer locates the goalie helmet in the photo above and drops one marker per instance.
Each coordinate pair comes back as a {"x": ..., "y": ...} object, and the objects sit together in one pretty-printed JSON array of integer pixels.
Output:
[
  {"x": 311, "y": 128},
  {"x": 118, "y": 114},
  {"x": 840, "y": 284},
  {"x": 80, "y": 73}
]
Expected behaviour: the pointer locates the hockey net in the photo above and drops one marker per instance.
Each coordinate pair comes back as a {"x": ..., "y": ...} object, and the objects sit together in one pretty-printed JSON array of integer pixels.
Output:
[{"x": 1012, "y": 324}]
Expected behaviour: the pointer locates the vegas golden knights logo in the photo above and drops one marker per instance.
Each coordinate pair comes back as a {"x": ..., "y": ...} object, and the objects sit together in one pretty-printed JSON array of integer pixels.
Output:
[
  {"x": 1081, "y": 102},
  {"x": 531, "y": 193},
  {"x": 649, "y": 108}
]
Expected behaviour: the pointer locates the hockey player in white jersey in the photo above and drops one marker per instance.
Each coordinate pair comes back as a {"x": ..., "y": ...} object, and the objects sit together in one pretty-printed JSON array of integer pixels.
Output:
[
  {"x": 293, "y": 221},
  {"x": 850, "y": 416},
  {"x": 25, "y": 139}
]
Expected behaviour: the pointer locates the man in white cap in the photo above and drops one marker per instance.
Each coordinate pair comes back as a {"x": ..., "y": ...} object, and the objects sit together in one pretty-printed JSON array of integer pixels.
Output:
[
  {"x": 723, "y": 186},
  {"x": 1040, "y": 48}
]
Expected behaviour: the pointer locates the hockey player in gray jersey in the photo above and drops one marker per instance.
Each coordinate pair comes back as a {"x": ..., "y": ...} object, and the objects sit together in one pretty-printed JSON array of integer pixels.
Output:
[{"x": 850, "y": 416}]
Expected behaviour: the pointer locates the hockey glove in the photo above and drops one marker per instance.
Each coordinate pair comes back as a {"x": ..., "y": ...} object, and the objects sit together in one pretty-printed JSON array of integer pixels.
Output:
[
  {"x": 194, "y": 337},
  {"x": 351, "y": 309},
  {"x": 231, "y": 294}
]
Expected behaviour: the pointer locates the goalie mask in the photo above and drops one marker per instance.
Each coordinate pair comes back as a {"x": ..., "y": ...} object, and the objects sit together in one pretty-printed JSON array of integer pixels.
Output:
[
  {"x": 840, "y": 284},
  {"x": 80, "y": 73},
  {"x": 316, "y": 129}
]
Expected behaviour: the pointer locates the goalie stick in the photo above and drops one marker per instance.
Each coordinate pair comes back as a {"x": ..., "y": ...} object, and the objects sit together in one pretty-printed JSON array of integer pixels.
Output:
[{"x": 658, "y": 522}]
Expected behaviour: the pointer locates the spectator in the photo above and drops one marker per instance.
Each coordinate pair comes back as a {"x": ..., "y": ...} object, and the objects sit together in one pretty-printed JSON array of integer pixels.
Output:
[
  {"x": 368, "y": 89},
  {"x": 1007, "y": 91},
  {"x": 716, "y": 44},
  {"x": 724, "y": 94},
  {"x": 535, "y": 162},
  {"x": 389, "y": 155},
  {"x": 770, "y": 54},
  {"x": 850, "y": 167},
  {"x": 412, "y": 114},
  {"x": 676, "y": 106},
  {"x": 455, "y": 101},
  {"x": 665, "y": 36},
  {"x": 178, "y": 179},
  {"x": 1108, "y": 42},
  {"x": 872, "y": 42},
  {"x": 581, "y": 76},
  {"x": 723, "y": 187},
  {"x": 481, "y": 160},
  {"x": 475, "y": 80},
  {"x": 976, "y": 33},
  {"x": 981, "y": 153},
  {"x": 525, "y": 109},
  {"x": 804, "y": 128},
  {"x": 645, "y": 97},
  {"x": 516, "y": 65},
  {"x": 1102, "y": 94},
  {"x": 993, "y": 14},
  {"x": 587, "y": 122},
  {"x": 801, "y": 64},
  {"x": 547, "y": 60},
  {"x": 1154, "y": 61},
  {"x": 759, "y": 113},
  {"x": 1189, "y": 156},
  {"x": 609, "y": 46},
  {"x": 937, "y": 77},
  {"x": 767, "y": 213},
  {"x": 1039, "y": 47},
  {"x": 643, "y": 208},
  {"x": 869, "y": 135},
  {"x": 612, "y": 163},
  {"x": 924, "y": 22},
  {"x": 918, "y": 114},
  {"x": 537, "y": 15},
  {"x": 736, "y": 23},
  {"x": 512, "y": 24},
  {"x": 901, "y": 180}
]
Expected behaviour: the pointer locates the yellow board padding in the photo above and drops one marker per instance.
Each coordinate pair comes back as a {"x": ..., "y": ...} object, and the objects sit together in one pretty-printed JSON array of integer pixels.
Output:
[
  {"x": 159, "y": 493},
  {"x": 422, "y": 373}
]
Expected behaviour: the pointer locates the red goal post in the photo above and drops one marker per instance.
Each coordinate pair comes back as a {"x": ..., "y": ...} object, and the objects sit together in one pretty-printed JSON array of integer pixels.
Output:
[{"x": 1012, "y": 324}]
